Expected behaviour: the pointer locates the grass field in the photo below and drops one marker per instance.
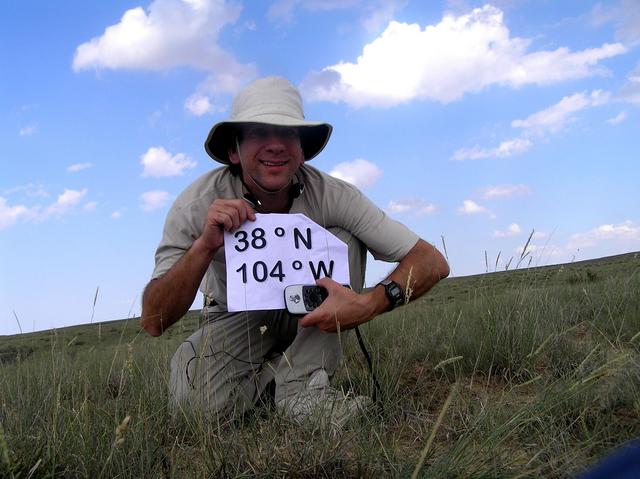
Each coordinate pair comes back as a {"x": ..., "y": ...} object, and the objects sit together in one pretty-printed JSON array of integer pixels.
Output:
[{"x": 527, "y": 373}]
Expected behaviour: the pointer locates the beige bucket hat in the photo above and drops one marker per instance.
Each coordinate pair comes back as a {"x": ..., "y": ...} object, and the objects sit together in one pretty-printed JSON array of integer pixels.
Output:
[{"x": 272, "y": 101}]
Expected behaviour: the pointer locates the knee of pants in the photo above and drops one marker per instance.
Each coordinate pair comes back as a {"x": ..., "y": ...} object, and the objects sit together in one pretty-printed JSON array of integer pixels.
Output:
[{"x": 208, "y": 384}]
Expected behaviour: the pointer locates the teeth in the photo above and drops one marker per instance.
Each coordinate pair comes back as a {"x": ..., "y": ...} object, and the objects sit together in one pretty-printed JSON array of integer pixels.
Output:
[{"x": 272, "y": 164}]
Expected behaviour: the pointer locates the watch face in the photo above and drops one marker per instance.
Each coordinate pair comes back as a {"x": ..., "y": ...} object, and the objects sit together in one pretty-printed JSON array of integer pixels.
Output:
[{"x": 394, "y": 293}]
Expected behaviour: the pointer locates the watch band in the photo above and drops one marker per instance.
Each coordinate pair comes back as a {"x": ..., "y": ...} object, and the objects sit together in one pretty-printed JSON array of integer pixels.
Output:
[{"x": 394, "y": 293}]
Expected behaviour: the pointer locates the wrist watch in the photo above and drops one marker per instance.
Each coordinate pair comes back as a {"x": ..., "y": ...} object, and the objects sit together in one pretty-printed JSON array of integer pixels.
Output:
[{"x": 394, "y": 293}]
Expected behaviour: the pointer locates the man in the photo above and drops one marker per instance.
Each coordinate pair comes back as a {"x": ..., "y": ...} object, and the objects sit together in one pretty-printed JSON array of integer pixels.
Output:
[{"x": 227, "y": 365}]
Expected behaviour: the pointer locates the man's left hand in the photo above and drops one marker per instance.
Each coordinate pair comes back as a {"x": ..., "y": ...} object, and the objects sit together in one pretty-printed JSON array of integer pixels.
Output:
[{"x": 343, "y": 308}]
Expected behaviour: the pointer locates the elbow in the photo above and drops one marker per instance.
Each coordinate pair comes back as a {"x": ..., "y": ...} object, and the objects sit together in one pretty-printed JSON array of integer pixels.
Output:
[
  {"x": 153, "y": 328},
  {"x": 443, "y": 269}
]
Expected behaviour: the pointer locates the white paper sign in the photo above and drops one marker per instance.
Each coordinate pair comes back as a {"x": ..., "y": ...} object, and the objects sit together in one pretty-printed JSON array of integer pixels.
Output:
[{"x": 277, "y": 250}]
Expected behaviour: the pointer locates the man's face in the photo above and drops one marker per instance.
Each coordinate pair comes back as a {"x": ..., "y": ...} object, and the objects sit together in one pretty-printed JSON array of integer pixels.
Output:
[{"x": 269, "y": 155}]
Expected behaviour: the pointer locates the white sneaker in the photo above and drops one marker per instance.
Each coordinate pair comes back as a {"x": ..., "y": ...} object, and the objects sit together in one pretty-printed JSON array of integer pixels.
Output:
[{"x": 322, "y": 403}]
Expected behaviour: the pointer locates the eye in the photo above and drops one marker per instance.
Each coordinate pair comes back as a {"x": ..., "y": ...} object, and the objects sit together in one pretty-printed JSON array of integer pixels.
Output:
[
  {"x": 257, "y": 133},
  {"x": 288, "y": 133}
]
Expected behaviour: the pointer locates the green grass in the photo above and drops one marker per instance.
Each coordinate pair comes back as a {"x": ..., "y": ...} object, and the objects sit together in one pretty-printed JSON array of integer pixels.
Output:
[{"x": 541, "y": 367}]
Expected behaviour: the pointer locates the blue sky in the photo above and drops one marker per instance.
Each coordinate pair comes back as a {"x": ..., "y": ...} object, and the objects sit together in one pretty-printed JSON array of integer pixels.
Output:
[{"x": 477, "y": 123}]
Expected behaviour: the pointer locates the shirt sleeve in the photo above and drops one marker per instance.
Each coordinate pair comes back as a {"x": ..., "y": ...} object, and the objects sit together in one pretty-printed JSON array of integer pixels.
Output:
[
  {"x": 177, "y": 237},
  {"x": 385, "y": 238}
]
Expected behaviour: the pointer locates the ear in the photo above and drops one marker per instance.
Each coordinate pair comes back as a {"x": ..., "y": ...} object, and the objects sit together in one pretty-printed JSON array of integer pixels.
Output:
[{"x": 234, "y": 157}]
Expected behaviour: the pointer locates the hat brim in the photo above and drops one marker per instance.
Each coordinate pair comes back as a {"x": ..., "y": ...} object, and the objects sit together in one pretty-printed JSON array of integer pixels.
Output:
[{"x": 313, "y": 136}]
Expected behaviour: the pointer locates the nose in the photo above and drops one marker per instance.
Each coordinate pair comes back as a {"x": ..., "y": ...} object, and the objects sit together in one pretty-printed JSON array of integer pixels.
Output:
[{"x": 275, "y": 146}]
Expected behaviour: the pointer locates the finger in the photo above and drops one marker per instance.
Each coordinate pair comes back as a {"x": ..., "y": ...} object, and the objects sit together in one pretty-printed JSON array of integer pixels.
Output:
[
  {"x": 250, "y": 212},
  {"x": 310, "y": 319},
  {"x": 245, "y": 211},
  {"x": 232, "y": 213},
  {"x": 323, "y": 282},
  {"x": 221, "y": 220},
  {"x": 327, "y": 283}
]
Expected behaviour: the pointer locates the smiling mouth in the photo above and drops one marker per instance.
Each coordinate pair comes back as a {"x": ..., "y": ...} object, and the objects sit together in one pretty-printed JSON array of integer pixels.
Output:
[{"x": 273, "y": 163}]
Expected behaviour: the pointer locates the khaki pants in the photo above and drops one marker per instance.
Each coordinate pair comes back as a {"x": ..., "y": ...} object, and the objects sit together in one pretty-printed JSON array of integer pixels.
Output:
[{"x": 226, "y": 365}]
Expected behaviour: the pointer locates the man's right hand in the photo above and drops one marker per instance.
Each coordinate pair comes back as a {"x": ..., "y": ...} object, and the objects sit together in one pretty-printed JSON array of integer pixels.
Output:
[
  {"x": 224, "y": 215},
  {"x": 167, "y": 299}
]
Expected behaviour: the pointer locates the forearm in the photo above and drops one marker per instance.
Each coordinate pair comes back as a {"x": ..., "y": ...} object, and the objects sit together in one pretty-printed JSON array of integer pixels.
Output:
[
  {"x": 417, "y": 273},
  {"x": 167, "y": 299}
]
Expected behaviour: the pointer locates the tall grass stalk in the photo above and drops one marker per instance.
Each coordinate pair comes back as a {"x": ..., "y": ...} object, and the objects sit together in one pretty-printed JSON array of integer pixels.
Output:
[{"x": 436, "y": 426}]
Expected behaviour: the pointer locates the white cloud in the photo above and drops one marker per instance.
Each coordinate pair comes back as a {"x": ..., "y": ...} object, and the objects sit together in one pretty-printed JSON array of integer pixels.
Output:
[
  {"x": 417, "y": 206},
  {"x": 631, "y": 90},
  {"x": 507, "y": 148},
  {"x": 375, "y": 14},
  {"x": 627, "y": 232},
  {"x": 554, "y": 118},
  {"x": 427, "y": 209},
  {"x": 619, "y": 118},
  {"x": 153, "y": 118},
  {"x": 65, "y": 203},
  {"x": 504, "y": 191},
  {"x": 169, "y": 34},
  {"x": 10, "y": 215},
  {"x": 603, "y": 240},
  {"x": 31, "y": 190},
  {"x": 210, "y": 93},
  {"x": 442, "y": 62},
  {"x": 359, "y": 172},
  {"x": 153, "y": 200},
  {"x": 512, "y": 230},
  {"x": 381, "y": 14},
  {"x": 539, "y": 235},
  {"x": 116, "y": 215},
  {"x": 28, "y": 130},
  {"x": 79, "y": 167},
  {"x": 282, "y": 10},
  {"x": 198, "y": 104},
  {"x": 626, "y": 17},
  {"x": 470, "y": 207},
  {"x": 158, "y": 162},
  {"x": 537, "y": 125}
]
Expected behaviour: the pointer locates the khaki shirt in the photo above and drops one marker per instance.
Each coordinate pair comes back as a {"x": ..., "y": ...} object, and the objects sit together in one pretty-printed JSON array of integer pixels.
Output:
[{"x": 334, "y": 204}]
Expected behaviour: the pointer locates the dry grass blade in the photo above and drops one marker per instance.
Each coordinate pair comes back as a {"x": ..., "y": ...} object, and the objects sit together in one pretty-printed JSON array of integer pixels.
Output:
[
  {"x": 95, "y": 300},
  {"x": 34, "y": 468},
  {"x": 525, "y": 253},
  {"x": 444, "y": 246},
  {"x": 4, "y": 448},
  {"x": 436, "y": 426},
  {"x": 17, "y": 321},
  {"x": 447, "y": 361},
  {"x": 506, "y": 268}
]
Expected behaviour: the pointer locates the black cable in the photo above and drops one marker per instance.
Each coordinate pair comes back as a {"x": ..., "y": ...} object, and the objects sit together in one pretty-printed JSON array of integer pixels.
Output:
[{"x": 377, "y": 390}]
